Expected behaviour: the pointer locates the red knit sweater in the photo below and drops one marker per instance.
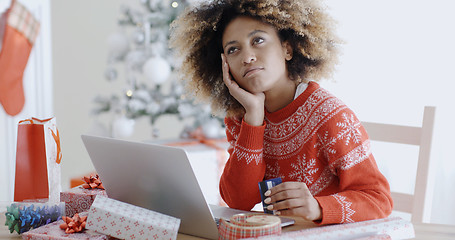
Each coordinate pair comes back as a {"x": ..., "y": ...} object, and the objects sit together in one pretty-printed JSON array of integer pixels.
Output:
[{"x": 317, "y": 140}]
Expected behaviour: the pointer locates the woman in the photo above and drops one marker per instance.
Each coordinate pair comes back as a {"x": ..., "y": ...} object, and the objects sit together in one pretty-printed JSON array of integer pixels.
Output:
[{"x": 279, "y": 121}]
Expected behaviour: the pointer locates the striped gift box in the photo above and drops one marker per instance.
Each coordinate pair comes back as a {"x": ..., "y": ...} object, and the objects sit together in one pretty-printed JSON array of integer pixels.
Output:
[
  {"x": 249, "y": 226},
  {"x": 23, "y": 21}
]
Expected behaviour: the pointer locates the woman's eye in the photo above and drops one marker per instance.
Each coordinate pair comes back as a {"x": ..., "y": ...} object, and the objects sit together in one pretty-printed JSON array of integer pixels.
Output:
[
  {"x": 258, "y": 40},
  {"x": 231, "y": 50}
]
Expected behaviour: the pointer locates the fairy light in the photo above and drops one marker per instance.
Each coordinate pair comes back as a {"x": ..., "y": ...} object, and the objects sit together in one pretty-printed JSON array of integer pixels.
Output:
[
  {"x": 129, "y": 93},
  {"x": 175, "y": 4}
]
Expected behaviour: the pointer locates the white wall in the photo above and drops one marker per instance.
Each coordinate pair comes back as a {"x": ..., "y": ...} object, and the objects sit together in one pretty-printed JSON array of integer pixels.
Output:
[
  {"x": 397, "y": 58},
  {"x": 80, "y": 32},
  {"x": 79, "y": 36}
]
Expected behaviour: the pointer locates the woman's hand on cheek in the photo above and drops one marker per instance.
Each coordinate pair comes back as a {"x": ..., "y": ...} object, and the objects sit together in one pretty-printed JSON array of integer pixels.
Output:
[
  {"x": 253, "y": 103},
  {"x": 294, "y": 198}
]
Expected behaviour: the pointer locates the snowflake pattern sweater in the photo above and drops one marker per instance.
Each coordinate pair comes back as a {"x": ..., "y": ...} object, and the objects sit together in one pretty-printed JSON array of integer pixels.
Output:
[{"x": 317, "y": 140}]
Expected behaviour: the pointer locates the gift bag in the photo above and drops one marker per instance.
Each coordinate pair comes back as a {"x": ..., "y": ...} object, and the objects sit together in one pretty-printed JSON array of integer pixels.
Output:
[{"x": 38, "y": 159}]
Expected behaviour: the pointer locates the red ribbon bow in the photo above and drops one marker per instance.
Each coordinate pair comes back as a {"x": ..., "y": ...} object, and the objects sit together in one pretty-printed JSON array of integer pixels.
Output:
[
  {"x": 74, "y": 224},
  {"x": 92, "y": 182}
]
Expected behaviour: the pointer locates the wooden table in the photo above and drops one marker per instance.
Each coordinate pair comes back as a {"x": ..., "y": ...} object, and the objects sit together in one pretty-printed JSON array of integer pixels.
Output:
[{"x": 422, "y": 230}]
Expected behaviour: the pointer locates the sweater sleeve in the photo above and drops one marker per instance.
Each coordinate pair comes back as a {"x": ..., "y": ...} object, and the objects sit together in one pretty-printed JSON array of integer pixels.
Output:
[
  {"x": 364, "y": 193},
  {"x": 245, "y": 166}
]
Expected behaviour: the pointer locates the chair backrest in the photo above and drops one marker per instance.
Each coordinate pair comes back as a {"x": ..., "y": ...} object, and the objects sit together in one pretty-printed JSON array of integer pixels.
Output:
[{"x": 419, "y": 203}]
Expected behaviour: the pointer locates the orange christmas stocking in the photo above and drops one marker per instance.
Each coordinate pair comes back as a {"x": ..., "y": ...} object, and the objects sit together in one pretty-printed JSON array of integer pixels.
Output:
[{"x": 19, "y": 34}]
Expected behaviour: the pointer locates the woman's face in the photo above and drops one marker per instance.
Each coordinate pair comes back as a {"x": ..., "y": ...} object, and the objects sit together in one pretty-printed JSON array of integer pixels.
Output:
[{"x": 255, "y": 54}]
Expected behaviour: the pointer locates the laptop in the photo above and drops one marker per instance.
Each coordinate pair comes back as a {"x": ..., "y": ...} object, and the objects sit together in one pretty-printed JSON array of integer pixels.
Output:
[{"x": 159, "y": 178}]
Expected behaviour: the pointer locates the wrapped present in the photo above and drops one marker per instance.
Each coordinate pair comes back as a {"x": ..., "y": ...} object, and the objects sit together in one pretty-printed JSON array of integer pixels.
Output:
[
  {"x": 249, "y": 225},
  {"x": 79, "y": 199},
  {"x": 23, "y": 216},
  {"x": 54, "y": 231},
  {"x": 125, "y": 221},
  {"x": 385, "y": 228}
]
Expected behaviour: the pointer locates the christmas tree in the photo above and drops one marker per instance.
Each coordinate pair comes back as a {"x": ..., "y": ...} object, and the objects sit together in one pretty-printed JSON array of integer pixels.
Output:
[{"x": 141, "y": 49}]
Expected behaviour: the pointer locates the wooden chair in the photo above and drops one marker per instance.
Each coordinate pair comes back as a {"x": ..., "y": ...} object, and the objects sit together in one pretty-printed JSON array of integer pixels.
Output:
[{"x": 419, "y": 203}]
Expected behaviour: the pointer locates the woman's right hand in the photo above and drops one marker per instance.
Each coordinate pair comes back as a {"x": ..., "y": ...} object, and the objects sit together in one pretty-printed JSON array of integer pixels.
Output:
[{"x": 253, "y": 103}]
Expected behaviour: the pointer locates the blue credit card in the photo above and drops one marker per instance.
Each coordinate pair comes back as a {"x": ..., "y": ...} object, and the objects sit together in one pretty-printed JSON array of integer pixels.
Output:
[{"x": 263, "y": 187}]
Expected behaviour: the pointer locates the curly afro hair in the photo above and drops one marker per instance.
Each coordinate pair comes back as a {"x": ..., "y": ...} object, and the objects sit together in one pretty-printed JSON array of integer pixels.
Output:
[{"x": 197, "y": 33}]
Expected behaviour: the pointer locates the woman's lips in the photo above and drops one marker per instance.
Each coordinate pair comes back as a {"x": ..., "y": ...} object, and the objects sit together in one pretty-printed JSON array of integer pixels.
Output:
[{"x": 251, "y": 71}]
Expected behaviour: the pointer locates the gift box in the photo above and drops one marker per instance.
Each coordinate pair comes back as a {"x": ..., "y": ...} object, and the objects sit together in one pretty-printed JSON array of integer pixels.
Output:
[
  {"x": 20, "y": 217},
  {"x": 79, "y": 199},
  {"x": 385, "y": 228},
  {"x": 54, "y": 232},
  {"x": 125, "y": 221}
]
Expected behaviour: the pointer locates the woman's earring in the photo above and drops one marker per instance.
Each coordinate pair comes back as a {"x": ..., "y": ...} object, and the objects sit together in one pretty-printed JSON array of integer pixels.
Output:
[{"x": 288, "y": 56}]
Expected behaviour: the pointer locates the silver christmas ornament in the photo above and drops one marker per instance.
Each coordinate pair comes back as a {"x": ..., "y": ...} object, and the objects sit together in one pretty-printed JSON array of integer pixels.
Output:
[
  {"x": 138, "y": 37},
  {"x": 110, "y": 74}
]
